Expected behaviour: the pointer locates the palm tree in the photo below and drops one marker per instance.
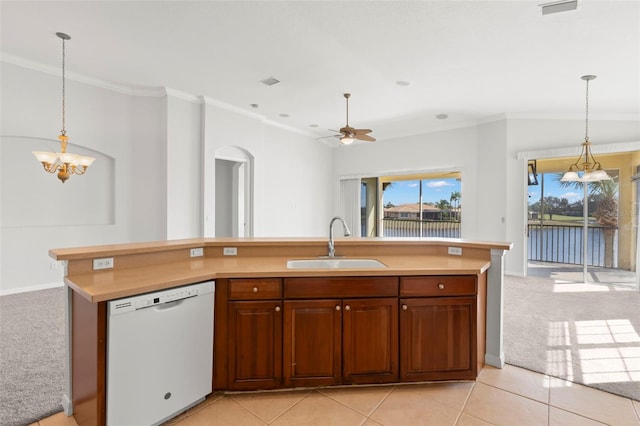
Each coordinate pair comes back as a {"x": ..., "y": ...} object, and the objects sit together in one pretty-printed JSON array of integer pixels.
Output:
[
  {"x": 455, "y": 203},
  {"x": 605, "y": 195}
]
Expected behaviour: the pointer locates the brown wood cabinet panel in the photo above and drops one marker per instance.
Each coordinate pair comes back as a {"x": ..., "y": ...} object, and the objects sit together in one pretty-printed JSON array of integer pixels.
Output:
[
  {"x": 340, "y": 287},
  {"x": 438, "y": 285},
  {"x": 438, "y": 338},
  {"x": 255, "y": 289},
  {"x": 312, "y": 342},
  {"x": 370, "y": 340},
  {"x": 88, "y": 352},
  {"x": 255, "y": 345}
]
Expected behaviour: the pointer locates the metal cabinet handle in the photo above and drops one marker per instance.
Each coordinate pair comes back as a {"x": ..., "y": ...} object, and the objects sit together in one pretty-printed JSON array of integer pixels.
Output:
[
  {"x": 405, "y": 307},
  {"x": 255, "y": 289},
  {"x": 441, "y": 286},
  {"x": 337, "y": 307},
  {"x": 277, "y": 308},
  {"x": 347, "y": 308}
]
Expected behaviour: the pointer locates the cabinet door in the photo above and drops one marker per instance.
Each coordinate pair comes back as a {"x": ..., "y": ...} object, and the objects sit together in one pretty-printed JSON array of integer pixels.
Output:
[
  {"x": 312, "y": 342},
  {"x": 370, "y": 340},
  {"x": 255, "y": 345},
  {"x": 437, "y": 338}
]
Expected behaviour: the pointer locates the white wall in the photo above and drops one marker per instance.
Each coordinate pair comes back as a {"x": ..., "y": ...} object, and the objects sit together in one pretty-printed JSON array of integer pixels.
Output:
[
  {"x": 162, "y": 149},
  {"x": 292, "y": 173},
  {"x": 494, "y": 192},
  {"x": 155, "y": 146},
  {"x": 183, "y": 168},
  {"x": 447, "y": 150},
  {"x": 97, "y": 119}
]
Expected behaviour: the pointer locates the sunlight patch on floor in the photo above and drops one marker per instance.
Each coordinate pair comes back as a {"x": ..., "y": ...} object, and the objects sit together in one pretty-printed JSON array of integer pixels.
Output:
[{"x": 600, "y": 361}]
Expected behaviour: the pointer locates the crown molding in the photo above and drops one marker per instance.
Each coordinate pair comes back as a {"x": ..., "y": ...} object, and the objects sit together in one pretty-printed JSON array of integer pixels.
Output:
[
  {"x": 572, "y": 151},
  {"x": 573, "y": 116},
  {"x": 81, "y": 78}
]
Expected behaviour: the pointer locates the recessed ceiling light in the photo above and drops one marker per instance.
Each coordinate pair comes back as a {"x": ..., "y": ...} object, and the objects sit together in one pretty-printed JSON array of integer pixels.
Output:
[
  {"x": 254, "y": 105},
  {"x": 403, "y": 83},
  {"x": 313, "y": 125},
  {"x": 558, "y": 6},
  {"x": 284, "y": 115},
  {"x": 442, "y": 116},
  {"x": 270, "y": 81}
]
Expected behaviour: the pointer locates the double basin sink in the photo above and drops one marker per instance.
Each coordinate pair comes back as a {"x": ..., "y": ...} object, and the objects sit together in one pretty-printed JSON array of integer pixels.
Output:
[{"x": 334, "y": 263}]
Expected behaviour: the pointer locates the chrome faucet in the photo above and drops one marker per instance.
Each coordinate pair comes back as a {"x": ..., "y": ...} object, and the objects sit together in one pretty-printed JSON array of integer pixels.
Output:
[{"x": 332, "y": 248}]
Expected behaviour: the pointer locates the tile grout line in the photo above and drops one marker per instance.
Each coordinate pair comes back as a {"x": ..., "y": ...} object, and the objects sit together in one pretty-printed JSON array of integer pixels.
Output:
[
  {"x": 289, "y": 409},
  {"x": 466, "y": 400},
  {"x": 393, "y": 388}
]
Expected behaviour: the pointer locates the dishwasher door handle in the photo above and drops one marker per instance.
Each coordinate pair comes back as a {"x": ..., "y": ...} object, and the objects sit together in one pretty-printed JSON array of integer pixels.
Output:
[{"x": 169, "y": 305}]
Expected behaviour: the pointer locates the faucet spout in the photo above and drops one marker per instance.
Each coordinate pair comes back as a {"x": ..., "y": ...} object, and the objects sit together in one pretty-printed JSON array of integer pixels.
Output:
[{"x": 332, "y": 248}]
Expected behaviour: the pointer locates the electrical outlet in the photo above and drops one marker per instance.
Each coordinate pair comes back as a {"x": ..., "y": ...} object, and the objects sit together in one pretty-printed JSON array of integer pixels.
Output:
[
  {"x": 104, "y": 263},
  {"x": 456, "y": 251},
  {"x": 197, "y": 252},
  {"x": 230, "y": 251}
]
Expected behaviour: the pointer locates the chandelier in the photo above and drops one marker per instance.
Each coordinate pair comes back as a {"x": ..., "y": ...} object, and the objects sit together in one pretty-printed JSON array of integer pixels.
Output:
[
  {"x": 63, "y": 162},
  {"x": 586, "y": 163}
]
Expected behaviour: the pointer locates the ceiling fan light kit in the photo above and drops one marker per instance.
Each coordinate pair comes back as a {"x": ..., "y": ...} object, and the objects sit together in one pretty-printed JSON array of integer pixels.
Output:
[{"x": 349, "y": 134}]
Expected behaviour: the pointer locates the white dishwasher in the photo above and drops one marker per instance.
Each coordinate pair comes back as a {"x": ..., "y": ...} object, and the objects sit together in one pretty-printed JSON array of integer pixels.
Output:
[{"x": 159, "y": 354}]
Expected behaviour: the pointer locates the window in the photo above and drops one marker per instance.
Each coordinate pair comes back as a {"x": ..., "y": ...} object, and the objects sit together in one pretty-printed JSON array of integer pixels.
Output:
[{"x": 418, "y": 205}]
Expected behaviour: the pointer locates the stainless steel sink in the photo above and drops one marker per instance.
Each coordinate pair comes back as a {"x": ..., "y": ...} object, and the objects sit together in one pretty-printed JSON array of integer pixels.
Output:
[{"x": 334, "y": 263}]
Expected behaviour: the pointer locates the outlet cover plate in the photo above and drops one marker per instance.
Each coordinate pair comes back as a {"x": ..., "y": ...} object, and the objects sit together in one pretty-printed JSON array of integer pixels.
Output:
[
  {"x": 197, "y": 252},
  {"x": 103, "y": 263},
  {"x": 230, "y": 251},
  {"x": 456, "y": 251}
]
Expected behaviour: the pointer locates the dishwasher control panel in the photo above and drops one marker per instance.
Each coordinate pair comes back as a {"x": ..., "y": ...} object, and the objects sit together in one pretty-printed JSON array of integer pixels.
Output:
[{"x": 158, "y": 298}]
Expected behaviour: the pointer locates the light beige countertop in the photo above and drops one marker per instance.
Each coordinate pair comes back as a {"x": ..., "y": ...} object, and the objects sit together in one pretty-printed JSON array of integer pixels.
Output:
[{"x": 144, "y": 267}]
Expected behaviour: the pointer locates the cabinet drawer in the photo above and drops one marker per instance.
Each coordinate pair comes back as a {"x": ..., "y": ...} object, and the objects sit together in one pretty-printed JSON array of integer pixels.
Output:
[
  {"x": 438, "y": 285},
  {"x": 255, "y": 289}
]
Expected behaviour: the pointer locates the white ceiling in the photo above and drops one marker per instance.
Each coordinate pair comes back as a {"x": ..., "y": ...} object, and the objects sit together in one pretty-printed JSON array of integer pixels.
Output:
[{"x": 472, "y": 60}]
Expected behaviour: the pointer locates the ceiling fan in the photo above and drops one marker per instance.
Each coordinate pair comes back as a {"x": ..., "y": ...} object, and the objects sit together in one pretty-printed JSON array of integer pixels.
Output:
[{"x": 349, "y": 134}]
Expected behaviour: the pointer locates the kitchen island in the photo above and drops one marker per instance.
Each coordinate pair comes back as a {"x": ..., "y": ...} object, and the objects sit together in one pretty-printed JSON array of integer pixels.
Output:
[{"x": 279, "y": 327}]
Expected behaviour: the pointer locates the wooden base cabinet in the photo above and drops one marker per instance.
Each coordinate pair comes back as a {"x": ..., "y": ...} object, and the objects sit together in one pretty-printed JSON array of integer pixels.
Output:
[
  {"x": 370, "y": 340},
  {"x": 438, "y": 334},
  {"x": 340, "y": 330},
  {"x": 330, "y": 342},
  {"x": 306, "y": 332},
  {"x": 254, "y": 328},
  {"x": 312, "y": 342}
]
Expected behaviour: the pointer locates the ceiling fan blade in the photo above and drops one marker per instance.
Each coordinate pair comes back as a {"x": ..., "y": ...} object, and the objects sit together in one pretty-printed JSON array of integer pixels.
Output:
[
  {"x": 364, "y": 138},
  {"x": 330, "y": 136},
  {"x": 362, "y": 131}
]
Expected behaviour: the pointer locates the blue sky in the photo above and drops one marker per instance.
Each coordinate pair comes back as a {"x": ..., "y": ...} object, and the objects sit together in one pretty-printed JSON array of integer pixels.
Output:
[
  {"x": 433, "y": 190},
  {"x": 552, "y": 188}
]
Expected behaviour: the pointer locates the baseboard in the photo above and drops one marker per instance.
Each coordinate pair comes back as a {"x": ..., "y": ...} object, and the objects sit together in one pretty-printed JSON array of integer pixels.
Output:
[
  {"x": 515, "y": 274},
  {"x": 67, "y": 405},
  {"x": 495, "y": 361},
  {"x": 31, "y": 288}
]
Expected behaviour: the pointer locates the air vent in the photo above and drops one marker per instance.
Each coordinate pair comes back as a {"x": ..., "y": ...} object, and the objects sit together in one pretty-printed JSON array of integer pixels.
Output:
[
  {"x": 270, "y": 81},
  {"x": 558, "y": 6}
]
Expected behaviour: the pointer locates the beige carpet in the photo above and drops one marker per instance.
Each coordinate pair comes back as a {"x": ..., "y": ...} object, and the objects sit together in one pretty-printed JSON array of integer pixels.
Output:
[
  {"x": 32, "y": 356},
  {"x": 585, "y": 333}
]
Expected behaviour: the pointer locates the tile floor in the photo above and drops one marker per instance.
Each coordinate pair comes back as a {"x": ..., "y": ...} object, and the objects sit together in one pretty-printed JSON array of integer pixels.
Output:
[{"x": 508, "y": 396}]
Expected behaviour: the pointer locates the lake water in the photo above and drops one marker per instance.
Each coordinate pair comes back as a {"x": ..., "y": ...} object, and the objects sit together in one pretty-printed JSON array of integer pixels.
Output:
[{"x": 563, "y": 244}]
